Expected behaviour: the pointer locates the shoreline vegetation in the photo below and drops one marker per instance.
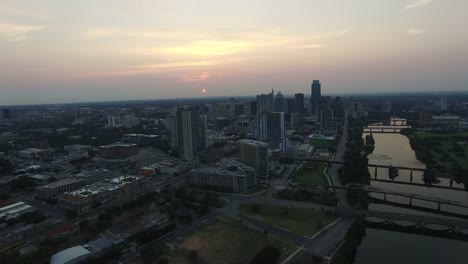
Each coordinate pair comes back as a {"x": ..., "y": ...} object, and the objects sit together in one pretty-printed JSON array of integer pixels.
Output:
[{"x": 444, "y": 152}]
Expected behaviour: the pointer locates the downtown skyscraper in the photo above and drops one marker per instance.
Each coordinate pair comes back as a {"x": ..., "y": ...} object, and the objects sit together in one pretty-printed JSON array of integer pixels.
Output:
[
  {"x": 315, "y": 98},
  {"x": 188, "y": 133}
]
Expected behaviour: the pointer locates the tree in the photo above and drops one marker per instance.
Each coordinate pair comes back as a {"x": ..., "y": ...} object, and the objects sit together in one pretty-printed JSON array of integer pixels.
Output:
[
  {"x": 392, "y": 173},
  {"x": 429, "y": 176},
  {"x": 266, "y": 255}
]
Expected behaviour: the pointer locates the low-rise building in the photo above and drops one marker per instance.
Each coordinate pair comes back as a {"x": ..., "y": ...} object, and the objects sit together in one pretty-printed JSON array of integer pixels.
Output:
[
  {"x": 228, "y": 174},
  {"x": 54, "y": 189},
  {"x": 94, "y": 195},
  {"x": 76, "y": 254},
  {"x": 32, "y": 153},
  {"x": 7, "y": 137},
  {"x": 173, "y": 166},
  {"x": 141, "y": 139},
  {"x": 118, "y": 150},
  {"x": 321, "y": 141},
  {"x": 15, "y": 210}
]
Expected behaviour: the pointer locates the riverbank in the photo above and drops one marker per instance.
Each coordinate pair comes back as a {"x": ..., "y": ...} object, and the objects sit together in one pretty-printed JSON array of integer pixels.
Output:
[{"x": 445, "y": 151}]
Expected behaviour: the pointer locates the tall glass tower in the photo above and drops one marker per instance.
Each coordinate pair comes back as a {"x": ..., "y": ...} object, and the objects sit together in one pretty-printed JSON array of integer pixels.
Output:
[{"x": 315, "y": 98}]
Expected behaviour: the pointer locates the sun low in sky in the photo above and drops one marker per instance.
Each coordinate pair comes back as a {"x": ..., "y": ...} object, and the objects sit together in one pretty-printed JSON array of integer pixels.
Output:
[{"x": 69, "y": 51}]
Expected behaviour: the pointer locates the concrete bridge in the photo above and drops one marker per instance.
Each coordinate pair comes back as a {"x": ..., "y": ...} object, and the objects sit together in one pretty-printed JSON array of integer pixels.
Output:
[
  {"x": 420, "y": 221},
  {"x": 382, "y": 130},
  {"x": 411, "y": 197}
]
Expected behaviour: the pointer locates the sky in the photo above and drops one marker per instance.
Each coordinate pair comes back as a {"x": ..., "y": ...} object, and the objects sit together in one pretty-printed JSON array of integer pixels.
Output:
[{"x": 56, "y": 51}]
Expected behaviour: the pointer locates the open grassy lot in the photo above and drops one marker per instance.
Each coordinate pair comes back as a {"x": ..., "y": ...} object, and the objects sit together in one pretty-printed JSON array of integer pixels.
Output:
[
  {"x": 226, "y": 242},
  {"x": 311, "y": 174},
  {"x": 301, "y": 221}
]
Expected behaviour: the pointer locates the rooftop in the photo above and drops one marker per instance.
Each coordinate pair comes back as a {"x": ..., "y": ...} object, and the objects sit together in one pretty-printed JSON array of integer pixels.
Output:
[
  {"x": 63, "y": 182},
  {"x": 119, "y": 144},
  {"x": 77, "y": 252}
]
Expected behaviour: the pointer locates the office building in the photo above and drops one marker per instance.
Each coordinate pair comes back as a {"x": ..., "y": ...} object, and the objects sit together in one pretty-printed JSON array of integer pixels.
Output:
[
  {"x": 299, "y": 103},
  {"x": 253, "y": 108},
  {"x": 255, "y": 154},
  {"x": 290, "y": 105},
  {"x": 239, "y": 109},
  {"x": 227, "y": 175},
  {"x": 279, "y": 102},
  {"x": 275, "y": 130},
  {"x": 270, "y": 129},
  {"x": 188, "y": 133},
  {"x": 315, "y": 98}
]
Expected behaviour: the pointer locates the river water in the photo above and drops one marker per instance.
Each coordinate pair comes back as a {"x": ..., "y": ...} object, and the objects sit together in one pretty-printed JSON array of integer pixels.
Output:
[{"x": 380, "y": 246}]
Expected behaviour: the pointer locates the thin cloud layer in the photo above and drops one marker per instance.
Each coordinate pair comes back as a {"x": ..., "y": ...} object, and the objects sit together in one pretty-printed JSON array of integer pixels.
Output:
[
  {"x": 416, "y": 31},
  {"x": 17, "y": 32},
  {"x": 417, "y": 3}
]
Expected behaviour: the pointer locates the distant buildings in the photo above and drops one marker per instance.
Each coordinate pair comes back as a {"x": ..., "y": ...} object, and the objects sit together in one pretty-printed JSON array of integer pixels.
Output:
[
  {"x": 315, "y": 98},
  {"x": 6, "y": 114},
  {"x": 116, "y": 121},
  {"x": 443, "y": 103},
  {"x": 228, "y": 174},
  {"x": 386, "y": 107},
  {"x": 255, "y": 154}
]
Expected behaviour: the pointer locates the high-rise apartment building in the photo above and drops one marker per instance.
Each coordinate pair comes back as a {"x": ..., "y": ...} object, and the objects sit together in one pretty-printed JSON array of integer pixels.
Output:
[
  {"x": 270, "y": 129},
  {"x": 203, "y": 128},
  {"x": 265, "y": 102},
  {"x": 188, "y": 133},
  {"x": 255, "y": 154},
  {"x": 315, "y": 98}
]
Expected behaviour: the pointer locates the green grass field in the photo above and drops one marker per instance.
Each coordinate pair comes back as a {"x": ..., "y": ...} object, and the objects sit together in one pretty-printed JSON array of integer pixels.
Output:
[
  {"x": 301, "y": 221},
  {"x": 311, "y": 174},
  {"x": 227, "y": 242}
]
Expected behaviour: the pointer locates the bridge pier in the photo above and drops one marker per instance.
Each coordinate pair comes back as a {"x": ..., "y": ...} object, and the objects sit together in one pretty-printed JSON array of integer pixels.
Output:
[
  {"x": 382, "y": 130},
  {"x": 411, "y": 176},
  {"x": 451, "y": 181},
  {"x": 375, "y": 173},
  {"x": 411, "y": 201},
  {"x": 438, "y": 206},
  {"x": 385, "y": 197}
]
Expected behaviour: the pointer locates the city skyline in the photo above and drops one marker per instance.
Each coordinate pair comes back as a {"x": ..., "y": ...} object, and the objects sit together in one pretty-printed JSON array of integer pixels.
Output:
[{"x": 151, "y": 49}]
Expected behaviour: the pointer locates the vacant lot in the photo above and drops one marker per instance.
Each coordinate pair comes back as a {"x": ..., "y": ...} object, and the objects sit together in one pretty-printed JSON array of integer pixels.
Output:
[
  {"x": 225, "y": 242},
  {"x": 311, "y": 174},
  {"x": 302, "y": 221}
]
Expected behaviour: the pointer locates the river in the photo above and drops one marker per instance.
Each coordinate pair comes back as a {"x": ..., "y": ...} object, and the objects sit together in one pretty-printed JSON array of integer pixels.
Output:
[{"x": 381, "y": 246}]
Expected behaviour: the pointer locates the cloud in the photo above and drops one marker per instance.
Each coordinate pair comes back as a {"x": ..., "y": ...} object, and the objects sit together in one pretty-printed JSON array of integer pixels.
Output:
[
  {"x": 416, "y": 31},
  {"x": 27, "y": 12},
  {"x": 17, "y": 32},
  {"x": 194, "y": 78},
  {"x": 310, "y": 46},
  {"x": 417, "y": 3}
]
